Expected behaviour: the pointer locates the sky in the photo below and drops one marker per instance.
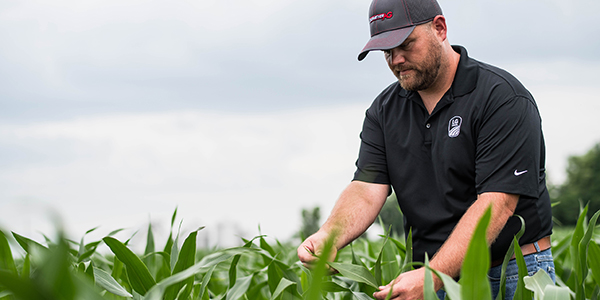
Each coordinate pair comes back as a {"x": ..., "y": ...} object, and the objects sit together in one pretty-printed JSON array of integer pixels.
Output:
[{"x": 239, "y": 113}]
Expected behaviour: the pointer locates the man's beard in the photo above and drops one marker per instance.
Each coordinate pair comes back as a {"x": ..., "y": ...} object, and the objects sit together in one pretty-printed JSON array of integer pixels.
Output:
[{"x": 426, "y": 73}]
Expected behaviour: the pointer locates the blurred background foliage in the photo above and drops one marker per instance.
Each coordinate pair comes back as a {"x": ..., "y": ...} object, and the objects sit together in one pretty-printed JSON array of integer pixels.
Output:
[{"x": 581, "y": 187}]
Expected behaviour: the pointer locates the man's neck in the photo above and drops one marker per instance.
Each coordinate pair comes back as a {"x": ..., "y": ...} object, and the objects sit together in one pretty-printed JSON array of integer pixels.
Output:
[{"x": 435, "y": 92}]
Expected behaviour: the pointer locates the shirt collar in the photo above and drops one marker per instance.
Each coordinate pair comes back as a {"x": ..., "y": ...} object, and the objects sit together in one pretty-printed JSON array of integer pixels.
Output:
[{"x": 465, "y": 79}]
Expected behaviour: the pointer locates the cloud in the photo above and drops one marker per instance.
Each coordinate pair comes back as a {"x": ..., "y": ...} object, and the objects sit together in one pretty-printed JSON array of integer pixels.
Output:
[
  {"x": 125, "y": 108},
  {"x": 256, "y": 169}
]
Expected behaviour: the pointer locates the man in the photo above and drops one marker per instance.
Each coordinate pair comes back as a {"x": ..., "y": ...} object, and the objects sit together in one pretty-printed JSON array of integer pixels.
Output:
[{"x": 452, "y": 137}]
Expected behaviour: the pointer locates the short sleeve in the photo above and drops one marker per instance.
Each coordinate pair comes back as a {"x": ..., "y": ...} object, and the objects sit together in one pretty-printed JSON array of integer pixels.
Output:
[
  {"x": 509, "y": 148},
  {"x": 371, "y": 165}
]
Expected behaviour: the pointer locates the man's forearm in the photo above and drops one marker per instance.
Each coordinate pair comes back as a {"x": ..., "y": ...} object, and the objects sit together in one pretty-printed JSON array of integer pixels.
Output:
[
  {"x": 356, "y": 209},
  {"x": 450, "y": 256}
]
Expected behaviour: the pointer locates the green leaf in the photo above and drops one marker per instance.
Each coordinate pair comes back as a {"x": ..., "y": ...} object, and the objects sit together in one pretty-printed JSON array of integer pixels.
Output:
[
  {"x": 576, "y": 237},
  {"x": 408, "y": 258},
  {"x": 264, "y": 245},
  {"x": 400, "y": 246},
  {"x": 474, "y": 280},
  {"x": 89, "y": 272},
  {"x": 428, "y": 286},
  {"x": 274, "y": 275},
  {"x": 355, "y": 272},
  {"x": 23, "y": 288},
  {"x": 507, "y": 257},
  {"x": 594, "y": 261},
  {"x": 187, "y": 258},
  {"x": 140, "y": 278},
  {"x": 239, "y": 288},
  {"x": 452, "y": 288},
  {"x": 315, "y": 289},
  {"x": 537, "y": 283},
  {"x": 332, "y": 287},
  {"x": 284, "y": 283},
  {"x": 206, "y": 264},
  {"x": 583, "y": 248},
  {"x": 233, "y": 270},
  {"x": 26, "y": 270},
  {"x": 149, "y": 240},
  {"x": 377, "y": 267},
  {"x": 107, "y": 282},
  {"x": 205, "y": 281},
  {"x": 169, "y": 245},
  {"x": 361, "y": 296},
  {"x": 6, "y": 258},
  {"x": 521, "y": 293},
  {"x": 552, "y": 292},
  {"x": 29, "y": 245},
  {"x": 175, "y": 248}
]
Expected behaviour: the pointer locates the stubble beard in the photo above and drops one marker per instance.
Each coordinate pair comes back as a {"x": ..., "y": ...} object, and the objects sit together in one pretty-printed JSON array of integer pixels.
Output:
[{"x": 426, "y": 73}]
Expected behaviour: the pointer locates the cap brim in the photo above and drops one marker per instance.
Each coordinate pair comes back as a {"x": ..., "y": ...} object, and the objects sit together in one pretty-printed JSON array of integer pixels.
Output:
[{"x": 386, "y": 40}]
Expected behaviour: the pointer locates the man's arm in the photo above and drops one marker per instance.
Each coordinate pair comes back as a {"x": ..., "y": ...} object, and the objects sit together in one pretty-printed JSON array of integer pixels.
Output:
[
  {"x": 450, "y": 256},
  {"x": 355, "y": 210}
]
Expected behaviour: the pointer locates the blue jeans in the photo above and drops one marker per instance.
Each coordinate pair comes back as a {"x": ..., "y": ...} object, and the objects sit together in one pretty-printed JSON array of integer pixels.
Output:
[{"x": 536, "y": 261}]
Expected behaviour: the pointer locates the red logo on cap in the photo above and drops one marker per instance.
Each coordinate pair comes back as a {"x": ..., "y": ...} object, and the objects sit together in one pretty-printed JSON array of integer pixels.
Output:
[{"x": 374, "y": 18}]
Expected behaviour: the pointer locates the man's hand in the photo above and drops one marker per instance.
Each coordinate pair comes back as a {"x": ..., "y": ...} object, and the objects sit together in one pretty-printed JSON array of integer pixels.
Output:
[
  {"x": 312, "y": 249},
  {"x": 407, "y": 286}
]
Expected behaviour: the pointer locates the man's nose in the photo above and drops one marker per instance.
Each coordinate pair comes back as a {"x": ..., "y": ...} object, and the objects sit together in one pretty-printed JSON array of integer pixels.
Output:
[{"x": 397, "y": 56}]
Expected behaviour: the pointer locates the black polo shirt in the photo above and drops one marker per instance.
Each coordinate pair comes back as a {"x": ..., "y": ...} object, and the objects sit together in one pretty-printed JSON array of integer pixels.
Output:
[{"x": 484, "y": 135}]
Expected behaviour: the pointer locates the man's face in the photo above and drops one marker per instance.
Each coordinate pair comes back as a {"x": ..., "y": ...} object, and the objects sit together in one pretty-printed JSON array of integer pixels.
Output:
[{"x": 417, "y": 61}]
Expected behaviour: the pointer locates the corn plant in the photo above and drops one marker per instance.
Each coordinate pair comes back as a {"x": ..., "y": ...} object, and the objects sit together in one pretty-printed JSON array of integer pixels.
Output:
[{"x": 258, "y": 270}]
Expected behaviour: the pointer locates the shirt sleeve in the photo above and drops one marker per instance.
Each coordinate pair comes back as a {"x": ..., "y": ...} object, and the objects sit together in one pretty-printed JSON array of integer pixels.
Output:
[
  {"x": 510, "y": 148},
  {"x": 371, "y": 165}
]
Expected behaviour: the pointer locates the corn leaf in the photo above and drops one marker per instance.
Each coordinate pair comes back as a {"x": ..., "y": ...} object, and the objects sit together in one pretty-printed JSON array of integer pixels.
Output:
[
  {"x": 6, "y": 258},
  {"x": 315, "y": 288},
  {"x": 23, "y": 288},
  {"x": 283, "y": 284},
  {"x": 507, "y": 257},
  {"x": 475, "y": 284},
  {"x": 552, "y": 292},
  {"x": 207, "y": 263},
  {"x": 452, "y": 288},
  {"x": 537, "y": 283},
  {"x": 355, "y": 272},
  {"x": 400, "y": 246},
  {"x": 521, "y": 293},
  {"x": 239, "y": 288},
  {"x": 264, "y": 245},
  {"x": 583, "y": 247},
  {"x": 333, "y": 287},
  {"x": 428, "y": 286},
  {"x": 107, "y": 282},
  {"x": 578, "y": 234},
  {"x": 274, "y": 276},
  {"x": 139, "y": 276},
  {"x": 28, "y": 244},
  {"x": 187, "y": 258},
  {"x": 205, "y": 281},
  {"x": 594, "y": 261},
  {"x": 26, "y": 270},
  {"x": 408, "y": 258},
  {"x": 169, "y": 245},
  {"x": 376, "y": 270}
]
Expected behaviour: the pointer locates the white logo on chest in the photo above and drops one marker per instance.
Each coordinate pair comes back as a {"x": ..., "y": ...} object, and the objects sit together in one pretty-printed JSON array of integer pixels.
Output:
[{"x": 454, "y": 126}]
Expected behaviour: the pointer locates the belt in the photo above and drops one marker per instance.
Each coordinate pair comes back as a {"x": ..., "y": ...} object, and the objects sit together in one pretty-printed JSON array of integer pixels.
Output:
[{"x": 535, "y": 247}]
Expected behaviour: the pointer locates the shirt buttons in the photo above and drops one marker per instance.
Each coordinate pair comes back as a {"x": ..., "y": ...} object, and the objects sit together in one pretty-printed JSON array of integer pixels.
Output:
[{"x": 428, "y": 125}]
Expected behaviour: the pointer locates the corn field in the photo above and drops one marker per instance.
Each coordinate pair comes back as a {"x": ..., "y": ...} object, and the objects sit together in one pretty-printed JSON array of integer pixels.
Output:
[{"x": 66, "y": 269}]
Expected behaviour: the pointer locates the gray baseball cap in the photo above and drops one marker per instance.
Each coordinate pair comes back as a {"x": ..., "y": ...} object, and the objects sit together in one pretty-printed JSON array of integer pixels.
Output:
[{"x": 392, "y": 21}]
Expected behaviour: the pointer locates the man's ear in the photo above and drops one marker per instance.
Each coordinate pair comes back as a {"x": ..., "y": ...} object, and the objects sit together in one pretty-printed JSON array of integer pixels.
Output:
[{"x": 438, "y": 25}]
